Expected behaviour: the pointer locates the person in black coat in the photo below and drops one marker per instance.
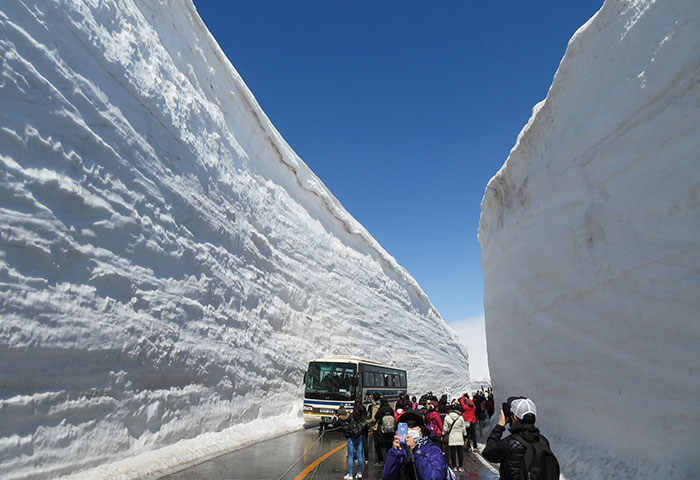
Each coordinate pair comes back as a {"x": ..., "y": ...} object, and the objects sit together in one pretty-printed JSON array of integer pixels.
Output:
[
  {"x": 509, "y": 452},
  {"x": 351, "y": 426},
  {"x": 384, "y": 439},
  {"x": 479, "y": 400}
]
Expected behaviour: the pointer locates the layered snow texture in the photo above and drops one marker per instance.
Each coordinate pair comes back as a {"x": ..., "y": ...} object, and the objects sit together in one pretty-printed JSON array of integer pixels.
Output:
[
  {"x": 168, "y": 265},
  {"x": 590, "y": 239}
]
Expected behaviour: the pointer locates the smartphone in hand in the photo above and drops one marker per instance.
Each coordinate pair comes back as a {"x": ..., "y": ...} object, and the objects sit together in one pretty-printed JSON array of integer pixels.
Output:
[
  {"x": 506, "y": 409},
  {"x": 402, "y": 431}
]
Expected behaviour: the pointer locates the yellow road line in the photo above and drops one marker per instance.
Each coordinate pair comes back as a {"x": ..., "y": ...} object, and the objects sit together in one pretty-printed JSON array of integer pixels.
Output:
[{"x": 310, "y": 468}]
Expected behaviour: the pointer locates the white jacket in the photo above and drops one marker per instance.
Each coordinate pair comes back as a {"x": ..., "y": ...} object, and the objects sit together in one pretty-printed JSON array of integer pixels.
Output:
[{"x": 456, "y": 427}]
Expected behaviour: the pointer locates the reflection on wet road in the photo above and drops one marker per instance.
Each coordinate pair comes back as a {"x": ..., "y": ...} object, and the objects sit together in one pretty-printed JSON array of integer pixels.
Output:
[{"x": 324, "y": 459}]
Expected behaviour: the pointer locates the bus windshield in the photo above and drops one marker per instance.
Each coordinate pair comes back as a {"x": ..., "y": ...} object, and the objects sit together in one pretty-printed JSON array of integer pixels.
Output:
[{"x": 330, "y": 381}]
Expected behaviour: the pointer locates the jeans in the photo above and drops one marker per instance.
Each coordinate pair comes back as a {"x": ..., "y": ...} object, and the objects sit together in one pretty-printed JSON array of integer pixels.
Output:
[{"x": 355, "y": 444}]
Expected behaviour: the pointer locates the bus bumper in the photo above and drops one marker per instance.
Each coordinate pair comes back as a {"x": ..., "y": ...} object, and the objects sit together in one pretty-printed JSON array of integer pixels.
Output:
[{"x": 316, "y": 419}]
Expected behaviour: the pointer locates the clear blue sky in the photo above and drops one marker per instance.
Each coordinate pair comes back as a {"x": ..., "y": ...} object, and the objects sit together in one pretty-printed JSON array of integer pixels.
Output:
[{"x": 404, "y": 110}]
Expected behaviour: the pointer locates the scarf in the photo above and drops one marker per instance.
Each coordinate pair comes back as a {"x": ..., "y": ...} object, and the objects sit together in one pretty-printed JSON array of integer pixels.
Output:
[{"x": 421, "y": 442}]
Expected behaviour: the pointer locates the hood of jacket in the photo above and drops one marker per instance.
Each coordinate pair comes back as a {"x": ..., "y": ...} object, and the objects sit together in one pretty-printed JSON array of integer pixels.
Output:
[{"x": 528, "y": 432}]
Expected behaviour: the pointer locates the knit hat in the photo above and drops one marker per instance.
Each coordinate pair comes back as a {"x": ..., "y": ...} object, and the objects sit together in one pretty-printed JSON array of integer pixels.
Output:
[
  {"x": 342, "y": 412},
  {"x": 522, "y": 406}
]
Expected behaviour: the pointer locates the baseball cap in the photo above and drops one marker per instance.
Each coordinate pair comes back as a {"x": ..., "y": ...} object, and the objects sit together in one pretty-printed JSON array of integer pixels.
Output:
[{"x": 522, "y": 406}]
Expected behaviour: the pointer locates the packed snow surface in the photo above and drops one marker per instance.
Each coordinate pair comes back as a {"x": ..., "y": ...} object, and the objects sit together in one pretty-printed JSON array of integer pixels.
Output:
[
  {"x": 590, "y": 239},
  {"x": 168, "y": 265}
]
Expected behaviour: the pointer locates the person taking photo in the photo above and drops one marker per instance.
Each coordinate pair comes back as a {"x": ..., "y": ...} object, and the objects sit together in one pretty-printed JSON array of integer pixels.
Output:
[
  {"x": 418, "y": 458},
  {"x": 525, "y": 453}
]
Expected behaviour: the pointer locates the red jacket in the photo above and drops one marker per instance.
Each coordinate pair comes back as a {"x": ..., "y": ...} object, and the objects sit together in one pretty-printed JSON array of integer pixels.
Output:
[{"x": 469, "y": 410}]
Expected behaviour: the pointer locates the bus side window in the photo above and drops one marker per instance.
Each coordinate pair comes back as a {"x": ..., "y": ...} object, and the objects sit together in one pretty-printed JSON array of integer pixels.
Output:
[
  {"x": 402, "y": 376},
  {"x": 369, "y": 379},
  {"x": 378, "y": 380},
  {"x": 393, "y": 380}
]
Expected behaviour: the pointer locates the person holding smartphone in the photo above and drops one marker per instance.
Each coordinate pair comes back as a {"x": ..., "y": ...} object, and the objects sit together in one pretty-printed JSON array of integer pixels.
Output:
[{"x": 414, "y": 456}]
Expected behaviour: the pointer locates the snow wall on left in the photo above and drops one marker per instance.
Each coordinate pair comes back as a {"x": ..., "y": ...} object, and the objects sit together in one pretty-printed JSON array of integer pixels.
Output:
[{"x": 168, "y": 264}]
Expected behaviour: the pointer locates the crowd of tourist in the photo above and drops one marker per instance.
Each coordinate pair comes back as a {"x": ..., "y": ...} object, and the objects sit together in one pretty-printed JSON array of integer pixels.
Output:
[{"x": 438, "y": 432}]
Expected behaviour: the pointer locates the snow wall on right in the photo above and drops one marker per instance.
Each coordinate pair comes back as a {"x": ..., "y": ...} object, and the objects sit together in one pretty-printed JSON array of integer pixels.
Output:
[{"x": 590, "y": 237}]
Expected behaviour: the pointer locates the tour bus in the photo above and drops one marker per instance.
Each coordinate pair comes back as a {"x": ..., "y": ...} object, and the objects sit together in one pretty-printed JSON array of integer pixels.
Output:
[{"x": 338, "y": 380}]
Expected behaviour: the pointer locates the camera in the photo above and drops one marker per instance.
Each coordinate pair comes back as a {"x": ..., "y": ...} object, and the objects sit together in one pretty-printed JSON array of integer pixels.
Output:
[{"x": 506, "y": 409}]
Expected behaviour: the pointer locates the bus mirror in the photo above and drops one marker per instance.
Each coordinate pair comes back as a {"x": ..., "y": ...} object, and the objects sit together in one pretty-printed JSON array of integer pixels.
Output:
[
  {"x": 355, "y": 380},
  {"x": 304, "y": 378}
]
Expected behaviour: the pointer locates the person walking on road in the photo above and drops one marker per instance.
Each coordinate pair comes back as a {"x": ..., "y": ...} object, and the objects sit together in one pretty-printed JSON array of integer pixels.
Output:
[
  {"x": 416, "y": 459},
  {"x": 480, "y": 404},
  {"x": 434, "y": 423},
  {"x": 350, "y": 424},
  {"x": 490, "y": 407},
  {"x": 373, "y": 425},
  {"x": 386, "y": 426},
  {"x": 455, "y": 428},
  {"x": 364, "y": 423},
  {"x": 469, "y": 415}
]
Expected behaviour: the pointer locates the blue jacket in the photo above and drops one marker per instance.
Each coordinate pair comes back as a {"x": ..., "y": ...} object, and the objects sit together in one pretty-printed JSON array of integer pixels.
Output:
[{"x": 428, "y": 460}]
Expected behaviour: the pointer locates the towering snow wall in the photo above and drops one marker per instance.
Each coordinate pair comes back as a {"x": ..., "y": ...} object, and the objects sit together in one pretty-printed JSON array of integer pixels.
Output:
[
  {"x": 168, "y": 264},
  {"x": 590, "y": 238}
]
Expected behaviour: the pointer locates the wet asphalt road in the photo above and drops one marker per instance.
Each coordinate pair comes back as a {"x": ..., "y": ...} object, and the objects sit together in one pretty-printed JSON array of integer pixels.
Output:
[{"x": 270, "y": 460}]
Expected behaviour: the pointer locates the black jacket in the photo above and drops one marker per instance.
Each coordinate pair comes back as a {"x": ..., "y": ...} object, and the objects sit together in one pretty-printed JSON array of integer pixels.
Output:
[
  {"x": 346, "y": 424},
  {"x": 509, "y": 452},
  {"x": 383, "y": 410},
  {"x": 386, "y": 438},
  {"x": 343, "y": 423}
]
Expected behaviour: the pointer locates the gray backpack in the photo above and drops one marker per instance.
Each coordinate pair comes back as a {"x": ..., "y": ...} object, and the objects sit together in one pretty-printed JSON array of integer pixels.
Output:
[{"x": 388, "y": 424}]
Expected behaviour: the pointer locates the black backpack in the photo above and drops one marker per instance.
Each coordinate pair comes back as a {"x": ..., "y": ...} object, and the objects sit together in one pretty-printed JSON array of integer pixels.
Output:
[
  {"x": 354, "y": 428},
  {"x": 539, "y": 462}
]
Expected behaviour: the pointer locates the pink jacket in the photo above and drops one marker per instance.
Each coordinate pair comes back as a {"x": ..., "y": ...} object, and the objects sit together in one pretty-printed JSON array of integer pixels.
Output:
[{"x": 433, "y": 418}]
